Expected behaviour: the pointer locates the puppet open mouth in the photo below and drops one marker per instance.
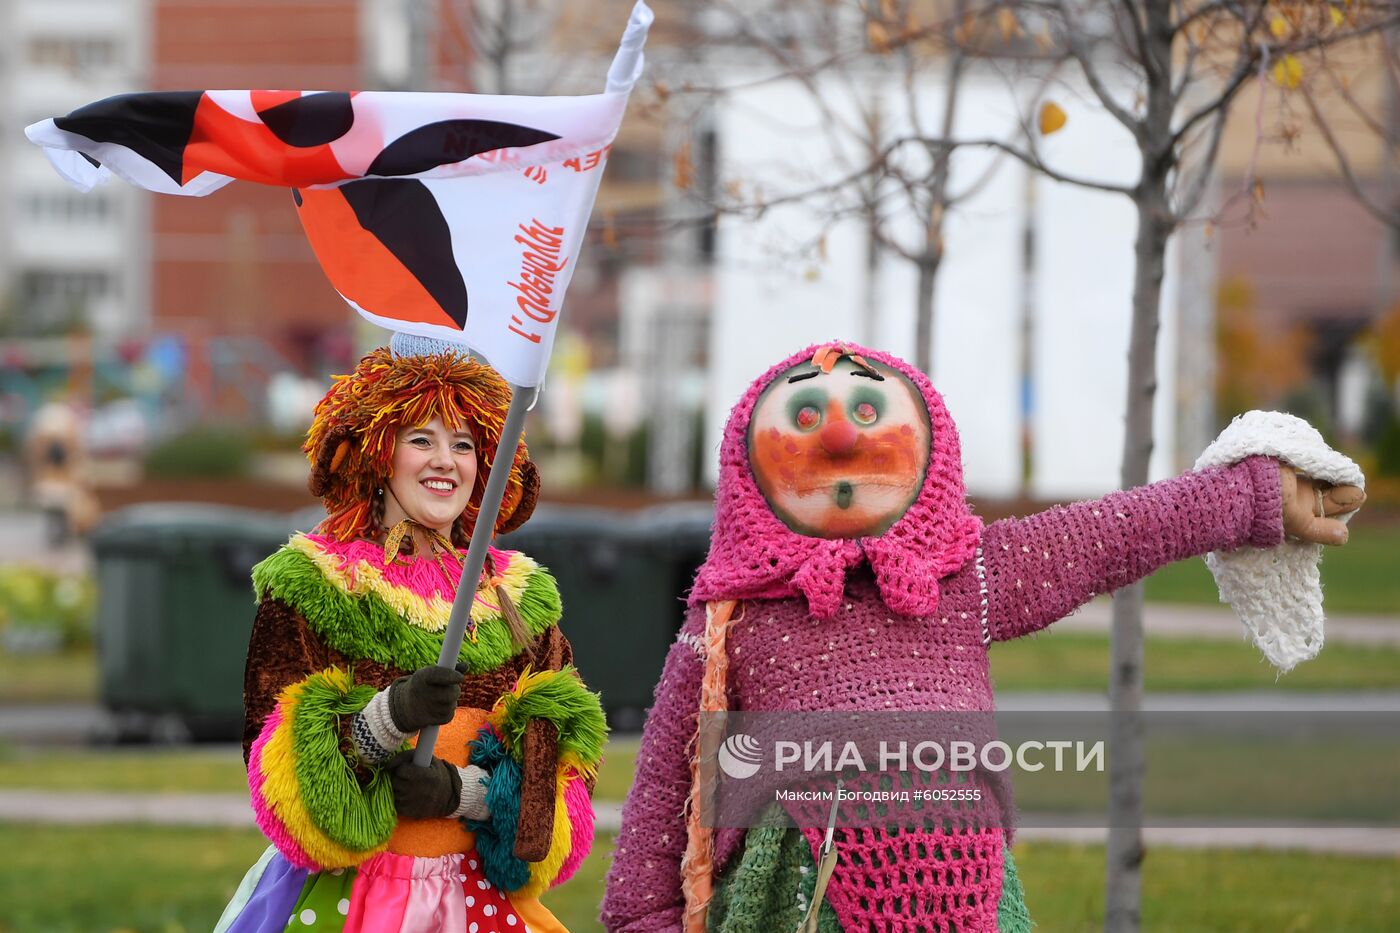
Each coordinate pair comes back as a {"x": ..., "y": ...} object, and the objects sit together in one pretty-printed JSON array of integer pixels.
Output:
[{"x": 844, "y": 493}]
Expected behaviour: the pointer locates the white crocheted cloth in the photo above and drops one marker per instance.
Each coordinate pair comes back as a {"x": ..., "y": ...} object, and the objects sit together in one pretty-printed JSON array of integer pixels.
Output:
[{"x": 1277, "y": 592}]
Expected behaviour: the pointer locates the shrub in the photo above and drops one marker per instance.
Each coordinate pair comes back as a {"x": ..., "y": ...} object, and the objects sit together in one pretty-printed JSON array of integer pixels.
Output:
[
  {"x": 42, "y": 608},
  {"x": 201, "y": 452}
]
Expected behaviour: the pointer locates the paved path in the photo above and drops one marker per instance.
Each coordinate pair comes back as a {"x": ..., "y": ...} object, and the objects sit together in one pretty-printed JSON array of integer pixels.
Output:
[
  {"x": 1244, "y": 701},
  {"x": 1184, "y": 620},
  {"x": 231, "y": 810},
  {"x": 24, "y": 540},
  {"x": 54, "y": 724},
  {"x": 77, "y": 724}
]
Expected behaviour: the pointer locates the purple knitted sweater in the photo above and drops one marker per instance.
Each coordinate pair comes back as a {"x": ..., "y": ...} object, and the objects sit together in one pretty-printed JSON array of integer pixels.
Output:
[
  {"x": 900, "y": 621},
  {"x": 1037, "y": 569}
]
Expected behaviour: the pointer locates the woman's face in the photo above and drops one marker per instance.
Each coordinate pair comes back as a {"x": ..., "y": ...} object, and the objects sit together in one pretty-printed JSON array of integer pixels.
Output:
[
  {"x": 434, "y": 470},
  {"x": 839, "y": 454}
]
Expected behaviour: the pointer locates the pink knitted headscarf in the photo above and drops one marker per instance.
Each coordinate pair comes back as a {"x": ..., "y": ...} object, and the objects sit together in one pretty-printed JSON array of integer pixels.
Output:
[{"x": 753, "y": 555}]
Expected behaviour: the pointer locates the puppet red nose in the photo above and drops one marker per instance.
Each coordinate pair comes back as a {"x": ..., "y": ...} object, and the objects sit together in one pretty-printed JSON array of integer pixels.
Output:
[{"x": 838, "y": 437}]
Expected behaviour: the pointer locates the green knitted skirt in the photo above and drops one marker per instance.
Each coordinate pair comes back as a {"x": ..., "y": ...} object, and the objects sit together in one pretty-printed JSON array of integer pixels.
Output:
[{"x": 769, "y": 884}]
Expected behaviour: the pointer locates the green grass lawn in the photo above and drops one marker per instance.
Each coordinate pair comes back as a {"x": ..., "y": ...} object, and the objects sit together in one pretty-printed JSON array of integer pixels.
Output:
[
  {"x": 1215, "y": 891},
  {"x": 149, "y": 770},
  {"x": 95, "y": 879},
  {"x": 155, "y": 770},
  {"x": 1238, "y": 779},
  {"x": 1358, "y": 577},
  {"x": 62, "y": 677},
  {"x": 148, "y": 880},
  {"x": 1049, "y": 661}
]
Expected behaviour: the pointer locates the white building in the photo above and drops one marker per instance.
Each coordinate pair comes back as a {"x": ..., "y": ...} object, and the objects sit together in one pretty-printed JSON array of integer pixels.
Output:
[
  {"x": 1070, "y": 292},
  {"x": 64, "y": 254}
]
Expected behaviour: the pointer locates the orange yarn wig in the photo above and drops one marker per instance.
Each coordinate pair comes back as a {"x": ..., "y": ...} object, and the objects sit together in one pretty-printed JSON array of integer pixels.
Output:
[{"x": 351, "y": 440}]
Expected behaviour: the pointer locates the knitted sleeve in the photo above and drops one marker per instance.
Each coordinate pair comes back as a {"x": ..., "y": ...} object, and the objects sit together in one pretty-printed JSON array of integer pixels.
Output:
[
  {"x": 644, "y": 883},
  {"x": 1042, "y": 567},
  {"x": 305, "y": 793}
]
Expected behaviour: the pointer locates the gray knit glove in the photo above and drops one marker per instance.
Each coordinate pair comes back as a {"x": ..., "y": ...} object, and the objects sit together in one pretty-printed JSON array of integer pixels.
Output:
[
  {"x": 424, "y": 793},
  {"x": 427, "y": 697}
]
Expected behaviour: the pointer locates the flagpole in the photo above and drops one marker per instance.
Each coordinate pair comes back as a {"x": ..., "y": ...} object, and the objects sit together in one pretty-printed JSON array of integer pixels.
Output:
[{"x": 482, "y": 532}]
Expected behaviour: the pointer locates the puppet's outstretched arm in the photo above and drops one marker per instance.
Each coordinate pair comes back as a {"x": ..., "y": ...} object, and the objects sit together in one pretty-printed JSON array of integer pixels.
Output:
[{"x": 1044, "y": 566}]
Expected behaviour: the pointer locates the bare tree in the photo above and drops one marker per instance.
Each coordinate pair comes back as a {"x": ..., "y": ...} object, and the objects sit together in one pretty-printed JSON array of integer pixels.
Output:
[
  {"x": 1168, "y": 71},
  {"x": 888, "y": 163},
  {"x": 1334, "y": 105}
]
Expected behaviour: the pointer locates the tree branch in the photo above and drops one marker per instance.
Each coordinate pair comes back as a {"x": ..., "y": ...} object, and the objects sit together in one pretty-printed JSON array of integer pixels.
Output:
[
  {"x": 1388, "y": 216},
  {"x": 1082, "y": 55},
  {"x": 1031, "y": 159},
  {"x": 1244, "y": 67},
  {"x": 1196, "y": 189}
]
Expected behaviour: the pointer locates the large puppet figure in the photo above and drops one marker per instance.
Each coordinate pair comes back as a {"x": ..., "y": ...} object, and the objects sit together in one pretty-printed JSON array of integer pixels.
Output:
[
  {"x": 846, "y": 572},
  {"x": 342, "y": 673}
]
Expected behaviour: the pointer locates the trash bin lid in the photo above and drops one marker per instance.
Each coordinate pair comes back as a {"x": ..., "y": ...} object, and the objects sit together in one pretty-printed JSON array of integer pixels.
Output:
[{"x": 170, "y": 526}]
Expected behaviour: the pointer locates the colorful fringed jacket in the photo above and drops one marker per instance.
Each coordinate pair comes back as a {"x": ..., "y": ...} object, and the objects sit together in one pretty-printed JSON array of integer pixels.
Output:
[{"x": 336, "y": 624}]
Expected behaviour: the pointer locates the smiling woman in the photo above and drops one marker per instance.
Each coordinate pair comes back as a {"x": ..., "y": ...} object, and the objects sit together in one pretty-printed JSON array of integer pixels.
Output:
[
  {"x": 342, "y": 674},
  {"x": 432, "y": 478}
]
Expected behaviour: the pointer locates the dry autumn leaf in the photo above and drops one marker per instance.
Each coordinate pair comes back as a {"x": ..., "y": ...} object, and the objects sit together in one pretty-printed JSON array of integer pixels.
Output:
[
  {"x": 1052, "y": 118},
  {"x": 1278, "y": 27},
  {"x": 610, "y": 229},
  {"x": 1006, "y": 20},
  {"x": 877, "y": 36},
  {"x": 683, "y": 168},
  {"x": 1288, "y": 72}
]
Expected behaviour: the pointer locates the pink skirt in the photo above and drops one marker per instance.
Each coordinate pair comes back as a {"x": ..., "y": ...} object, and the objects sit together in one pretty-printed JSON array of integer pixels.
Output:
[{"x": 386, "y": 893}]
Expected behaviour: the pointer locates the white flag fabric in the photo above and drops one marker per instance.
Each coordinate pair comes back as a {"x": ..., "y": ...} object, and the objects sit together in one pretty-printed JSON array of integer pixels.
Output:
[{"x": 458, "y": 216}]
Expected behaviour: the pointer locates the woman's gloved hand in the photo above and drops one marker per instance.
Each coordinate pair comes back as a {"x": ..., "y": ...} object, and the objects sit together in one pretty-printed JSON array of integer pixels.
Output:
[
  {"x": 439, "y": 790},
  {"x": 427, "y": 697}
]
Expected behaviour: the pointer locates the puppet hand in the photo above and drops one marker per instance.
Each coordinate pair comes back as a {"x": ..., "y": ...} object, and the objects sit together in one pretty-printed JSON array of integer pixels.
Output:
[
  {"x": 475, "y": 782},
  {"x": 1307, "y": 503},
  {"x": 427, "y": 697},
  {"x": 424, "y": 793}
]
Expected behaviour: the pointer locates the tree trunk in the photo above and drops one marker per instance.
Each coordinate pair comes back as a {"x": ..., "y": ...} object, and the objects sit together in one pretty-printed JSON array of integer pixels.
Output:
[
  {"x": 1127, "y": 762},
  {"x": 1127, "y": 759},
  {"x": 932, "y": 256},
  {"x": 923, "y": 310}
]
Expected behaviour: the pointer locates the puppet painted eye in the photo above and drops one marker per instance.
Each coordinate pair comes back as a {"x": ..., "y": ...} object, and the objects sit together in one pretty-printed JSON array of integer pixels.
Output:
[
  {"x": 865, "y": 413},
  {"x": 808, "y": 417}
]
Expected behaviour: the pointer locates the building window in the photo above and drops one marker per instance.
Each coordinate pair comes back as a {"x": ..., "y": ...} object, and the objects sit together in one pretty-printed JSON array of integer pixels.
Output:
[
  {"x": 56, "y": 301},
  {"x": 59, "y": 287},
  {"x": 67, "y": 208},
  {"x": 73, "y": 53}
]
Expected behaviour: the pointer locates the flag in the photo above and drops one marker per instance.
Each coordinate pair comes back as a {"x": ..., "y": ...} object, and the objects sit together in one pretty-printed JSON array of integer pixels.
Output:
[{"x": 457, "y": 216}]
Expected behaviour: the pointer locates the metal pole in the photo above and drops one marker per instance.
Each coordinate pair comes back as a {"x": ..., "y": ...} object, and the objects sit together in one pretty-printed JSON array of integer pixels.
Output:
[{"x": 482, "y": 533}]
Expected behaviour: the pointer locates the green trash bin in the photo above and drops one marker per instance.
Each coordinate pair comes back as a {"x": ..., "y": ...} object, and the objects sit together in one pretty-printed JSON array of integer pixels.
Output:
[
  {"x": 623, "y": 579},
  {"x": 175, "y": 609}
]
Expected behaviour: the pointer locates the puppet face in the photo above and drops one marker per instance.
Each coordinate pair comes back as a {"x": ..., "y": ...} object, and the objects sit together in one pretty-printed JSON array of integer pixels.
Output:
[
  {"x": 839, "y": 454},
  {"x": 434, "y": 471}
]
